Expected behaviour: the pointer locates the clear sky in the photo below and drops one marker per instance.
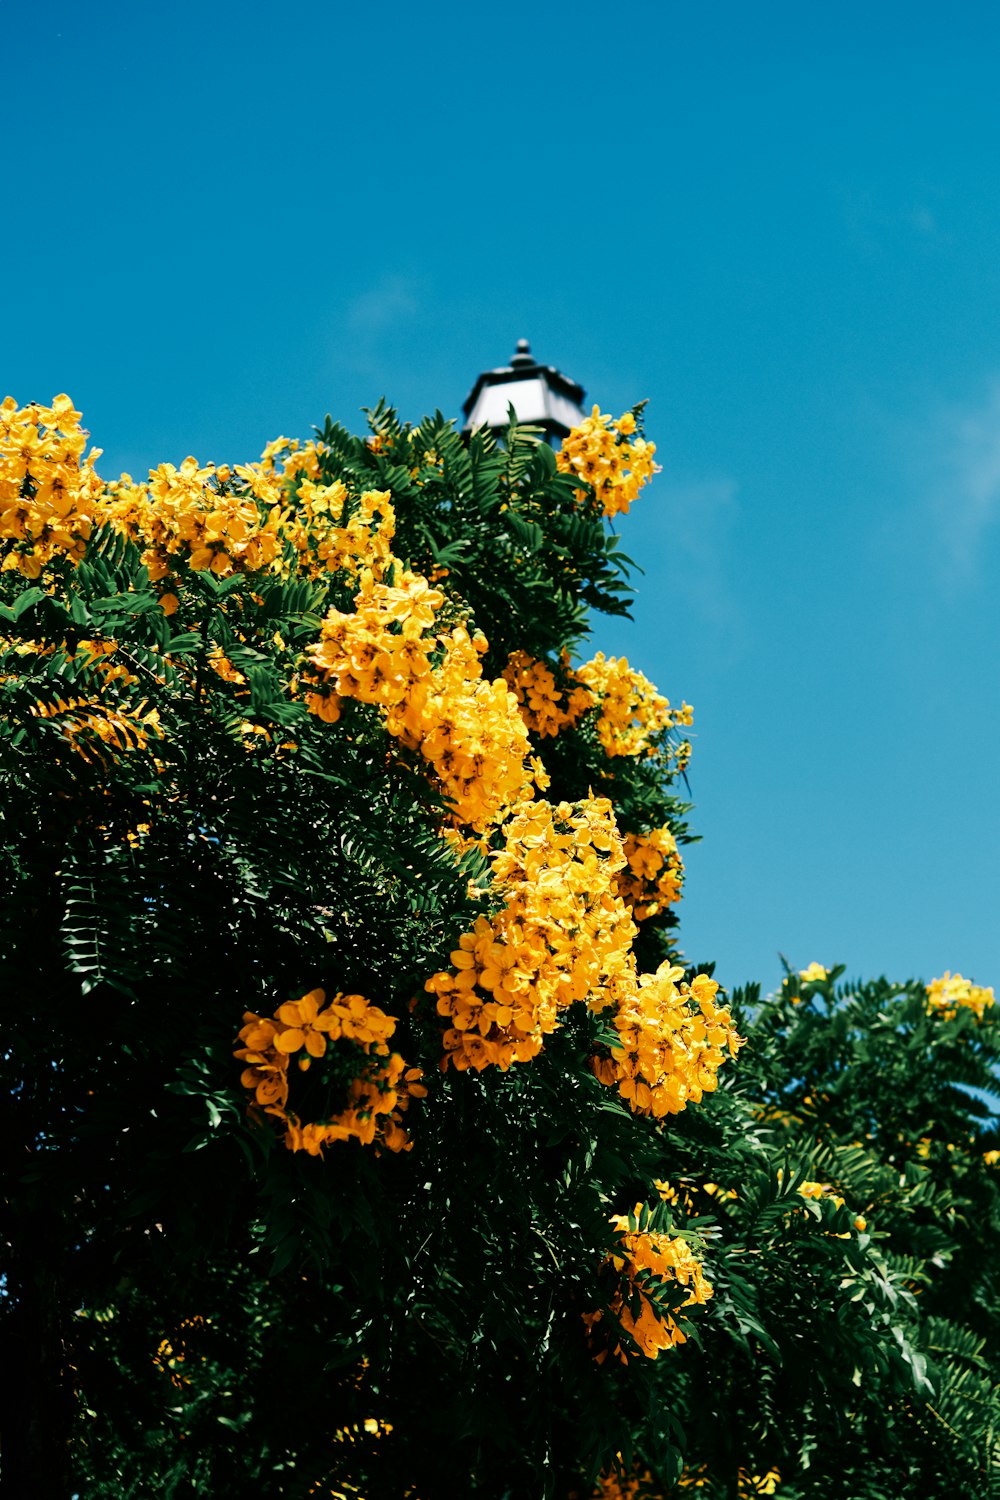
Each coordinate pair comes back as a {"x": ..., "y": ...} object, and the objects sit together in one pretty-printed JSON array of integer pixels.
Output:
[{"x": 779, "y": 222}]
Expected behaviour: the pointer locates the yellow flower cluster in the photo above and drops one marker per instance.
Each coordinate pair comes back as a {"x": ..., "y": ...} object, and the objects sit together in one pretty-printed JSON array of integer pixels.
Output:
[
  {"x": 332, "y": 532},
  {"x": 654, "y": 874},
  {"x": 665, "y": 1257},
  {"x": 683, "y": 1193},
  {"x": 671, "y": 1037},
  {"x": 564, "y": 934},
  {"x": 296, "y": 458},
  {"x": 370, "y": 1427},
  {"x": 749, "y": 1484},
  {"x": 632, "y": 713},
  {"x": 560, "y": 936},
  {"x": 469, "y": 729},
  {"x": 632, "y": 716},
  {"x": 824, "y": 1192},
  {"x": 814, "y": 973},
  {"x": 637, "y": 1485},
  {"x": 949, "y": 993},
  {"x": 610, "y": 457},
  {"x": 50, "y": 496},
  {"x": 547, "y": 706},
  {"x": 381, "y": 653},
  {"x": 170, "y": 1355},
  {"x": 377, "y": 1094},
  {"x": 216, "y": 519}
]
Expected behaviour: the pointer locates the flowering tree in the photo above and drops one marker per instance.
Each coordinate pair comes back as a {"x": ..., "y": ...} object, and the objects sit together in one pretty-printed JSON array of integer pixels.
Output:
[{"x": 365, "y": 1114}]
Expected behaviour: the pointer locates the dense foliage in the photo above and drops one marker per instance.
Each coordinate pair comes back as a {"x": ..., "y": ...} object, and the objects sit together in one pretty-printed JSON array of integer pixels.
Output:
[{"x": 370, "y": 1135}]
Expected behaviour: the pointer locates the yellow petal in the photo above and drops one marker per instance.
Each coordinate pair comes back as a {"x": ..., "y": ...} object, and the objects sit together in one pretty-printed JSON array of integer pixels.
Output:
[
  {"x": 290, "y": 1040},
  {"x": 308, "y": 1006}
]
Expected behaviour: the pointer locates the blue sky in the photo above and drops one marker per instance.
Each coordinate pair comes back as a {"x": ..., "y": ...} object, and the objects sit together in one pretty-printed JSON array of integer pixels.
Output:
[{"x": 780, "y": 223}]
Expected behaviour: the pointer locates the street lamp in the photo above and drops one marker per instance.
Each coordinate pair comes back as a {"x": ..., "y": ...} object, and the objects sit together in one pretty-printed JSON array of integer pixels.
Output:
[{"x": 540, "y": 395}]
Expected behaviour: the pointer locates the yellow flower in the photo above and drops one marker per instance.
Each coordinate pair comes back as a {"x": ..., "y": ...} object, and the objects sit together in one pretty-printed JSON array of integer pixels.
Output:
[
  {"x": 546, "y": 705},
  {"x": 672, "y": 1040},
  {"x": 597, "y": 450},
  {"x": 267, "y": 1068},
  {"x": 652, "y": 882},
  {"x": 633, "y": 717},
  {"x": 50, "y": 495},
  {"x": 668, "y": 1258},
  {"x": 468, "y": 730},
  {"x": 377, "y": 1095},
  {"x": 560, "y": 936},
  {"x": 302, "y": 1025},
  {"x": 945, "y": 996}
]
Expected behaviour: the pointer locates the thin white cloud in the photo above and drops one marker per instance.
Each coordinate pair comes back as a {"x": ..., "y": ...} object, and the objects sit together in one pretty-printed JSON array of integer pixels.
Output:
[
  {"x": 688, "y": 546},
  {"x": 924, "y": 221},
  {"x": 701, "y": 514},
  {"x": 382, "y": 306}
]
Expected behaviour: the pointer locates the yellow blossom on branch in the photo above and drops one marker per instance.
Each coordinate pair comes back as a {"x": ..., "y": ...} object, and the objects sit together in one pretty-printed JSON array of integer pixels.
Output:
[
  {"x": 652, "y": 880},
  {"x": 50, "y": 495},
  {"x": 632, "y": 714},
  {"x": 638, "y": 1484},
  {"x": 213, "y": 519},
  {"x": 380, "y": 654},
  {"x": 561, "y": 935},
  {"x": 610, "y": 457},
  {"x": 672, "y": 1039},
  {"x": 377, "y": 1094},
  {"x": 467, "y": 728},
  {"x": 640, "y": 1257},
  {"x": 547, "y": 705},
  {"x": 333, "y": 531},
  {"x": 749, "y": 1485},
  {"x": 947, "y": 995},
  {"x": 300, "y": 459}
]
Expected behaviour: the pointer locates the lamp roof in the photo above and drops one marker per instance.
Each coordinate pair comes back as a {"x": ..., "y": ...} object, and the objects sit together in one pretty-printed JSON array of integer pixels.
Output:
[{"x": 541, "y": 395}]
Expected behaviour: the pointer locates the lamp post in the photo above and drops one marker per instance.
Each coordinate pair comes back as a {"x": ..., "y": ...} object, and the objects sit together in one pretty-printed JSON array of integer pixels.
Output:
[{"x": 540, "y": 395}]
